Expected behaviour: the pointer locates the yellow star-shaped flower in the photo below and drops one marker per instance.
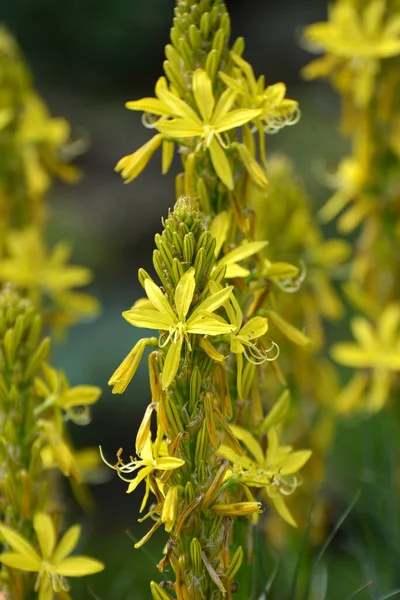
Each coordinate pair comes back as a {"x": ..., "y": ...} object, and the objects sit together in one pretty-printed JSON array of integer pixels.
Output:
[{"x": 52, "y": 561}]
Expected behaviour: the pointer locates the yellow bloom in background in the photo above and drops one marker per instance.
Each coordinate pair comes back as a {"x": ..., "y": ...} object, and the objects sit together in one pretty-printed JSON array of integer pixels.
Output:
[
  {"x": 211, "y": 119},
  {"x": 274, "y": 469},
  {"x": 176, "y": 321},
  {"x": 30, "y": 266},
  {"x": 377, "y": 349},
  {"x": 55, "y": 391},
  {"x": 355, "y": 42},
  {"x": 52, "y": 561}
]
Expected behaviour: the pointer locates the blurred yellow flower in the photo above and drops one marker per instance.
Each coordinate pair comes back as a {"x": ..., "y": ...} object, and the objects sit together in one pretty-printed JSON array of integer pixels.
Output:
[
  {"x": 355, "y": 42},
  {"x": 52, "y": 561},
  {"x": 376, "y": 348}
]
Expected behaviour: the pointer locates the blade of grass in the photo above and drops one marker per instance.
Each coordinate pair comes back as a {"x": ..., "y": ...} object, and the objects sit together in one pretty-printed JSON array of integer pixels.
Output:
[
  {"x": 303, "y": 547},
  {"x": 361, "y": 589},
  {"x": 391, "y": 594},
  {"x": 328, "y": 541}
]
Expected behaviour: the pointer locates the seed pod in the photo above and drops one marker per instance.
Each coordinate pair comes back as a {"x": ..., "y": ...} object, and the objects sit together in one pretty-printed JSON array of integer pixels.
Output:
[
  {"x": 235, "y": 563},
  {"x": 205, "y": 25},
  {"x": 195, "y": 557},
  {"x": 194, "y": 37},
  {"x": 158, "y": 592},
  {"x": 188, "y": 247},
  {"x": 178, "y": 243},
  {"x": 142, "y": 276}
]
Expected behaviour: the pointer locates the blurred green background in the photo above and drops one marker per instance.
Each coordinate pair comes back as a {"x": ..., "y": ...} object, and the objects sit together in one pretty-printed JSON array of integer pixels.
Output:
[{"x": 89, "y": 57}]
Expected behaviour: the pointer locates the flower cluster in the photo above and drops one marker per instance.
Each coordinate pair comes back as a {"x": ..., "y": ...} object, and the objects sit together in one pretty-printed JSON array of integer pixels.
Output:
[
  {"x": 36, "y": 401},
  {"x": 214, "y": 313}
]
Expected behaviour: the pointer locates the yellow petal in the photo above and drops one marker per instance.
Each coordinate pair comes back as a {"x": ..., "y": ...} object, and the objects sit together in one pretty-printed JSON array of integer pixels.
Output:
[
  {"x": 351, "y": 395},
  {"x": 184, "y": 293},
  {"x": 18, "y": 543},
  {"x": 127, "y": 369},
  {"x": 67, "y": 544},
  {"x": 169, "y": 463},
  {"x": 235, "y": 270},
  {"x": 143, "y": 432},
  {"x": 209, "y": 324},
  {"x": 219, "y": 229},
  {"x": 80, "y": 395},
  {"x": 224, "y": 104},
  {"x": 294, "y": 335},
  {"x": 213, "y": 302},
  {"x": 295, "y": 461},
  {"x": 19, "y": 561},
  {"x": 45, "y": 532},
  {"x": 237, "y": 508},
  {"x": 203, "y": 94},
  {"x": 148, "y": 318},
  {"x": 78, "y": 566},
  {"x": 179, "y": 107},
  {"x": 132, "y": 165},
  {"x": 352, "y": 355},
  {"x": 241, "y": 252},
  {"x": 158, "y": 299},
  {"x": 277, "y": 412},
  {"x": 210, "y": 350},
  {"x": 253, "y": 168},
  {"x": 221, "y": 163},
  {"x": 143, "y": 473},
  {"x": 255, "y": 328},
  {"x": 235, "y": 118},
  {"x": 168, "y": 149},
  {"x": 150, "y": 105},
  {"x": 171, "y": 363},
  {"x": 283, "y": 510},
  {"x": 180, "y": 128},
  {"x": 380, "y": 387},
  {"x": 250, "y": 442}
]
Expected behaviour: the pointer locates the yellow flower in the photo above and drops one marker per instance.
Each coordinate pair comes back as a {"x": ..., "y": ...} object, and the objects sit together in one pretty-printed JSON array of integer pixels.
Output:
[
  {"x": 176, "y": 321},
  {"x": 276, "y": 110},
  {"x": 127, "y": 369},
  {"x": 219, "y": 229},
  {"x": 54, "y": 389},
  {"x": 267, "y": 469},
  {"x": 377, "y": 349},
  {"x": 242, "y": 340},
  {"x": 355, "y": 42},
  {"x": 51, "y": 562},
  {"x": 153, "y": 457},
  {"x": 29, "y": 266},
  {"x": 211, "y": 119}
]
